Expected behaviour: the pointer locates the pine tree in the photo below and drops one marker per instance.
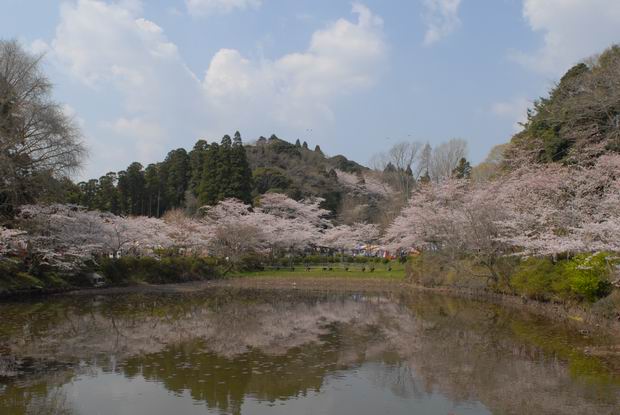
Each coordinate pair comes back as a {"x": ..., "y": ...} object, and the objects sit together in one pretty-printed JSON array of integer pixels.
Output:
[
  {"x": 317, "y": 149},
  {"x": 224, "y": 169},
  {"x": 426, "y": 178},
  {"x": 153, "y": 187},
  {"x": 305, "y": 145},
  {"x": 209, "y": 188},
  {"x": 297, "y": 143},
  {"x": 135, "y": 185},
  {"x": 462, "y": 170},
  {"x": 241, "y": 173},
  {"x": 176, "y": 165},
  {"x": 196, "y": 165}
]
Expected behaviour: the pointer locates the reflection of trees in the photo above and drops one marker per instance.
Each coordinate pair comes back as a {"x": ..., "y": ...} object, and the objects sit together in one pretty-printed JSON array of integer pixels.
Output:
[
  {"x": 41, "y": 395},
  {"x": 227, "y": 345},
  {"x": 512, "y": 363}
]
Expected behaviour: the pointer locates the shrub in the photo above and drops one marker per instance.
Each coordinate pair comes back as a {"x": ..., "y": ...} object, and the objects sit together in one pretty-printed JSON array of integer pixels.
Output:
[
  {"x": 537, "y": 278},
  {"x": 157, "y": 271},
  {"x": 587, "y": 276},
  {"x": 253, "y": 262}
]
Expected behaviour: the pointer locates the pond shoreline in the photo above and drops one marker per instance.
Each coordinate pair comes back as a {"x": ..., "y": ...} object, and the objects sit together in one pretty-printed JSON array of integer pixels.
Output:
[
  {"x": 579, "y": 315},
  {"x": 553, "y": 310}
]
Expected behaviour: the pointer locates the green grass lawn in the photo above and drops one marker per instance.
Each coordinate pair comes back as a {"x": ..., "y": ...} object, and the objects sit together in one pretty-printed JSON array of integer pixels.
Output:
[{"x": 338, "y": 271}]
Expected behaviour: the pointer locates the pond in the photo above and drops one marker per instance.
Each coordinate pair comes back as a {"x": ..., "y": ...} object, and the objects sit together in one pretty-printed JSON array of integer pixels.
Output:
[{"x": 249, "y": 351}]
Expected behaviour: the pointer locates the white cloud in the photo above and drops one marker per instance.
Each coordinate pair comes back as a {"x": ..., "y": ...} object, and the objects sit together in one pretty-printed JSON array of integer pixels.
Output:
[
  {"x": 148, "y": 135},
  {"x": 442, "y": 18},
  {"x": 296, "y": 88},
  {"x": 208, "y": 7},
  {"x": 572, "y": 30},
  {"x": 514, "y": 110},
  {"x": 114, "y": 52}
]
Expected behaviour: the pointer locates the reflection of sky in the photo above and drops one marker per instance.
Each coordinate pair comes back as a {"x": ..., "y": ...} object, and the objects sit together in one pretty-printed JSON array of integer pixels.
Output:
[{"x": 346, "y": 392}]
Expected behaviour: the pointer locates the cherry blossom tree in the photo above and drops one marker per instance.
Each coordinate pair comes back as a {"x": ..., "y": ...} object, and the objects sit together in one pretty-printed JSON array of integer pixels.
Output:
[
  {"x": 348, "y": 237},
  {"x": 10, "y": 240},
  {"x": 558, "y": 209},
  {"x": 236, "y": 229},
  {"x": 453, "y": 218},
  {"x": 536, "y": 210}
]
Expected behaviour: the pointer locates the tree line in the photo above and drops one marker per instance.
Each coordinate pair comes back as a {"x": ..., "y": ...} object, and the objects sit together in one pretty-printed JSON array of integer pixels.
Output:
[{"x": 207, "y": 174}]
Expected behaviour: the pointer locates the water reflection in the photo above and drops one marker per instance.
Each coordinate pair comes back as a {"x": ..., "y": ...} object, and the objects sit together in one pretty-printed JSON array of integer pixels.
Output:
[{"x": 248, "y": 351}]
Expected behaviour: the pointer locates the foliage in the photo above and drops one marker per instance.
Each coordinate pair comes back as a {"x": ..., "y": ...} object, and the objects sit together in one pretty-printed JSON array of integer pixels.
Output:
[
  {"x": 578, "y": 121},
  {"x": 586, "y": 276},
  {"x": 154, "y": 270}
]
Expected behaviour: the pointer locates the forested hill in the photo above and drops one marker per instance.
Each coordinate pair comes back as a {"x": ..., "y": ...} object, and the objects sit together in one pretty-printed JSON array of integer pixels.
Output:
[
  {"x": 213, "y": 171},
  {"x": 579, "y": 120}
]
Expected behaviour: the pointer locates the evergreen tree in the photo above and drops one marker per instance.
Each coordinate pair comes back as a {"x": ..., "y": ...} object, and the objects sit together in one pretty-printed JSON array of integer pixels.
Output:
[
  {"x": 153, "y": 187},
  {"x": 409, "y": 172},
  {"x": 426, "y": 178},
  {"x": 462, "y": 170},
  {"x": 107, "y": 194},
  {"x": 177, "y": 168},
  {"x": 241, "y": 173},
  {"x": 297, "y": 143},
  {"x": 209, "y": 184},
  {"x": 317, "y": 149},
  {"x": 196, "y": 165},
  {"x": 224, "y": 169},
  {"x": 389, "y": 168},
  {"x": 135, "y": 185},
  {"x": 88, "y": 192},
  {"x": 123, "y": 191},
  {"x": 305, "y": 145}
]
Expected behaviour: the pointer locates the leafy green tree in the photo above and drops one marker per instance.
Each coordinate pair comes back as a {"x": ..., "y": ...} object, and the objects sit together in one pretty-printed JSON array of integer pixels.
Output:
[
  {"x": 269, "y": 178},
  {"x": 88, "y": 192},
  {"x": 107, "y": 198}
]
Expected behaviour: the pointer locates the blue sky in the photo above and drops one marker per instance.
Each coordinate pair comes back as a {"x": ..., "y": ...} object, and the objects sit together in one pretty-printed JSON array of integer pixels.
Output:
[{"x": 144, "y": 77}]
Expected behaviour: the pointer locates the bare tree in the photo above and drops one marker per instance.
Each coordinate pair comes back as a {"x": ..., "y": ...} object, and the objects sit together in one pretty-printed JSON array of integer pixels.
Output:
[
  {"x": 400, "y": 165},
  {"x": 37, "y": 139},
  {"x": 446, "y": 157}
]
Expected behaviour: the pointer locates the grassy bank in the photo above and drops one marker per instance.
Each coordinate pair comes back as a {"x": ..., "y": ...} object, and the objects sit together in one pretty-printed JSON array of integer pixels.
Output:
[
  {"x": 584, "y": 280},
  {"x": 389, "y": 271},
  {"x": 21, "y": 277},
  {"x": 24, "y": 278}
]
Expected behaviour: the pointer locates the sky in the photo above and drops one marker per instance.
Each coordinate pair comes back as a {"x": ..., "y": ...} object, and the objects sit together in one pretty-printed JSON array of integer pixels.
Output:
[{"x": 144, "y": 77}]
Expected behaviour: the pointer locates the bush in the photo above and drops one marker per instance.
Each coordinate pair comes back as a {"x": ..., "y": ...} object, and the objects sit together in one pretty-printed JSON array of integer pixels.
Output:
[
  {"x": 584, "y": 277},
  {"x": 157, "y": 271},
  {"x": 252, "y": 263},
  {"x": 537, "y": 278},
  {"x": 587, "y": 276}
]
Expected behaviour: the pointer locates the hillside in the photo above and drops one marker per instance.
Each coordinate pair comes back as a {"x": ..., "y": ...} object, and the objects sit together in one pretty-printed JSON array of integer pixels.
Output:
[
  {"x": 212, "y": 171},
  {"x": 579, "y": 120}
]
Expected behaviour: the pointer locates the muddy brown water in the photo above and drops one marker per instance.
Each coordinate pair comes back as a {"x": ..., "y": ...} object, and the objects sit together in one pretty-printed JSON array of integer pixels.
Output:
[{"x": 231, "y": 350}]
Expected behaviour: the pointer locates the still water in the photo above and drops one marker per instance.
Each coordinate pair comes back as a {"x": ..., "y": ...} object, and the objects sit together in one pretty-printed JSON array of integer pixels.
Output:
[{"x": 293, "y": 352}]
